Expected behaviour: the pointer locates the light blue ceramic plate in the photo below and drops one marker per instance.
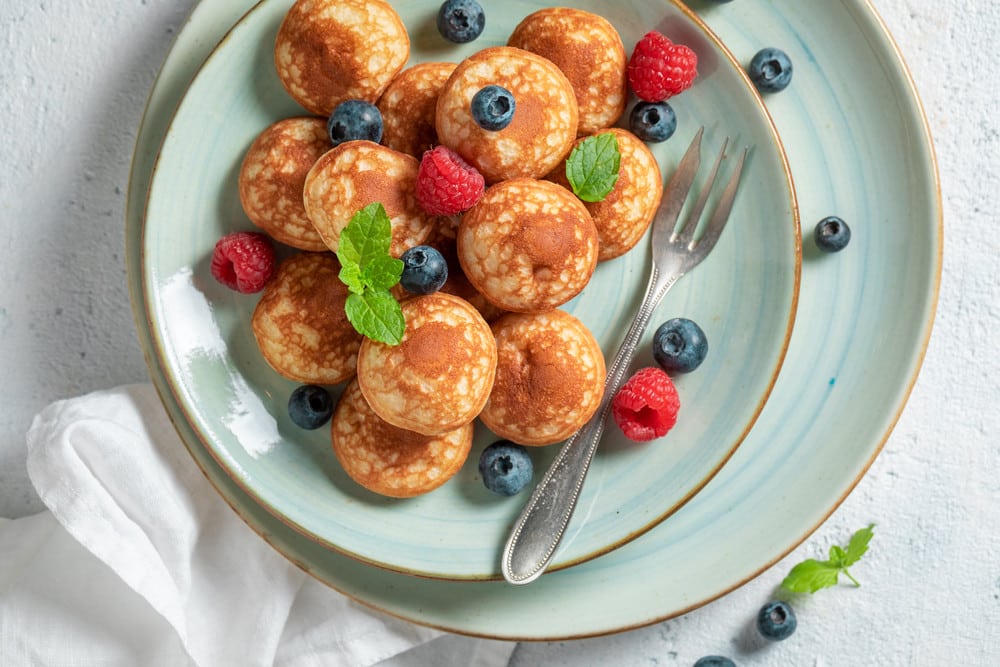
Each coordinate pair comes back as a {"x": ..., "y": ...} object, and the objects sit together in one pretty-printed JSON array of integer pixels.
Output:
[
  {"x": 744, "y": 296},
  {"x": 859, "y": 146}
]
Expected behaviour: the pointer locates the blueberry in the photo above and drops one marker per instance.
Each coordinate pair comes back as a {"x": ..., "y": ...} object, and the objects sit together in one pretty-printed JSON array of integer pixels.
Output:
[
  {"x": 505, "y": 467},
  {"x": 653, "y": 121},
  {"x": 310, "y": 406},
  {"x": 679, "y": 345},
  {"x": 770, "y": 70},
  {"x": 355, "y": 119},
  {"x": 831, "y": 234},
  {"x": 776, "y": 621},
  {"x": 493, "y": 108},
  {"x": 715, "y": 660},
  {"x": 425, "y": 270},
  {"x": 461, "y": 20}
]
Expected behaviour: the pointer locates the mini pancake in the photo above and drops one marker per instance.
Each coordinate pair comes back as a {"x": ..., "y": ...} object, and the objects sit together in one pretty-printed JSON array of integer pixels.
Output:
[
  {"x": 550, "y": 378},
  {"x": 544, "y": 124},
  {"x": 392, "y": 461},
  {"x": 438, "y": 378},
  {"x": 589, "y": 51},
  {"x": 357, "y": 173},
  {"x": 300, "y": 325},
  {"x": 328, "y": 51},
  {"x": 625, "y": 214},
  {"x": 272, "y": 175},
  {"x": 528, "y": 245},
  {"x": 457, "y": 283},
  {"x": 408, "y": 106}
]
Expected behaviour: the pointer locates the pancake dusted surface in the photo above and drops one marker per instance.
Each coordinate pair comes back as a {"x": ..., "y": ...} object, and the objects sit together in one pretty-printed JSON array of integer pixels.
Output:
[
  {"x": 300, "y": 325},
  {"x": 439, "y": 377},
  {"x": 528, "y": 245},
  {"x": 545, "y": 119},
  {"x": 328, "y": 51},
  {"x": 589, "y": 51},
  {"x": 273, "y": 174},
  {"x": 389, "y": 460}
]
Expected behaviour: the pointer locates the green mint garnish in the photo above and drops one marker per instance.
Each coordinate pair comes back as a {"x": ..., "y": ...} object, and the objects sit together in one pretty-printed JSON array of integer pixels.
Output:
[
  {"x": 369, "y": 272},
  {"x": 592, "y": 167},
  {"x": 811, "y": 575}
]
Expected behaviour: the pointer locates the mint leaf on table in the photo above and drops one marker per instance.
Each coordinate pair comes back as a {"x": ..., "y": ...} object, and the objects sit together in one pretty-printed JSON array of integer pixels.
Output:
[
  {"x": 369, "y": 272},
  {"x": 812, "y": 575},
  {"x": 592, "y": 167}
]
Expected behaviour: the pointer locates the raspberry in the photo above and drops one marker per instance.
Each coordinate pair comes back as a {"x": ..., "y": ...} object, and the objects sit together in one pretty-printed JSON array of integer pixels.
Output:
[
  {"x": 659, "y": 69},
  {"x": 243, "y": 261},
  {"x": 646, "y": 406},
  {"x": 447, "y": 184}
]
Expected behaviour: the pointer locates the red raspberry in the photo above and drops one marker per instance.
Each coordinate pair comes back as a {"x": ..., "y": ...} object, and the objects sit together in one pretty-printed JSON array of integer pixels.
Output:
[
  {"x": 659, "y": 69},
  {"x": 243, "y": 261},
  {"x": 447, "y": 184},
  {"x": 646, "y": 406}
]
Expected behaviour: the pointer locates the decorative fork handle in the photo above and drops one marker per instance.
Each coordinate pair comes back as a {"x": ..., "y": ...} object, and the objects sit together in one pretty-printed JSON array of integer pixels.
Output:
[{"x": 543, "y": 521}]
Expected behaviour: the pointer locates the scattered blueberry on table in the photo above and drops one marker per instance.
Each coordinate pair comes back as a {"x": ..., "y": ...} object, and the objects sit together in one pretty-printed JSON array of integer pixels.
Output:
[
  {"x": 831, "y": 234},
  {"x": 679, "y": 345},
  {"x": 461, "y": 21},
  {"x": 310, "y": 406},
  {"x": 776, "y": 621},
  {"x": 425, "y": 270},
  {"x": 715, "y": 660},
  {"x": 770, "y": 70},
  {"x": 505, "y": 467},
  {"x": 355, "y": 119}
]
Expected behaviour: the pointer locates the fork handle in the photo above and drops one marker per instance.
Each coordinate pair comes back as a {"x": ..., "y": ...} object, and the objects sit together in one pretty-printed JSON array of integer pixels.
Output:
[{"x": 542, "y": 523}]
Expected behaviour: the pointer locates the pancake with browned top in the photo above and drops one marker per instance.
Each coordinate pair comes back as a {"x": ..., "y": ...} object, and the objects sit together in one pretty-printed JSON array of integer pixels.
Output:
[
  {"x": 329, "y": 51},
  {"x": 543, "y": 126},
  {"x": 625, "y": 214},
  {"x": 550, "y": 377},
  {"x": 589, "y": 51},
  {"x": 300, "y": 325},
  {"x": 356, "y": 174},
  {"x": 438, "y": 378},
  {"x": 408, "y": 106},
  {"x": 273, "y": 174},
  {"x": 389, "y": 460},
  {"x": 528, "y": 245}
]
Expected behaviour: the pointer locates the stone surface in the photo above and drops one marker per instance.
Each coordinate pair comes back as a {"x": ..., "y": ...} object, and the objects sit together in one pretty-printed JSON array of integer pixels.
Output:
[{"x": 75, "y": 83}]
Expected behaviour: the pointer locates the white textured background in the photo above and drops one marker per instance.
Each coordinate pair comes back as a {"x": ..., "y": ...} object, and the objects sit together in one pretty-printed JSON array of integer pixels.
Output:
[{"x": 73, "y": 82}]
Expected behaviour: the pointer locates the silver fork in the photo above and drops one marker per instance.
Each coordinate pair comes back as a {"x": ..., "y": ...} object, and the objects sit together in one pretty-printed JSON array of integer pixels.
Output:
[{"x": 540, "y": 527}]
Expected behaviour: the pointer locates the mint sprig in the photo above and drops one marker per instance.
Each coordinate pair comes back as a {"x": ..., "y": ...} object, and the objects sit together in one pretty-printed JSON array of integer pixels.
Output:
[
  {"x": 812, "y": 575},
  {"x": 369, "y": 272},
  {"x": 593, "y": 165}
]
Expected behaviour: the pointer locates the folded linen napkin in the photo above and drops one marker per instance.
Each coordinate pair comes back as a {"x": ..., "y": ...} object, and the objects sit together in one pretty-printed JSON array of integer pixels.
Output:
[{"x": 139, "y": 562}]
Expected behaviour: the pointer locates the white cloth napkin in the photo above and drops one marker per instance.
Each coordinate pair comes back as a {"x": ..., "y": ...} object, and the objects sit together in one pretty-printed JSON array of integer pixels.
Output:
[{"x": 139, "y": 562}]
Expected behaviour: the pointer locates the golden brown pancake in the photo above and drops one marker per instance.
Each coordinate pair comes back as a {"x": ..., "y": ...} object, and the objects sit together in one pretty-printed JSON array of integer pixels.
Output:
[
  {"x": 625, "y": 214},
  {"x": 328, "y": 51},
  {"x": 300, "y": 325},
  {"x": 392, "y": 461},
  {"x": 589, "y": 51},
  {"x": 408, "y": 106},
  {"x": 528, "y": 245},
  {"x": 544, "y": 124},
  {"x": 550, "y": 377},
  {"x": 438, "y": 378},
  {"x": 272, "y": 175},
  {"x": 357, "y": 173}
]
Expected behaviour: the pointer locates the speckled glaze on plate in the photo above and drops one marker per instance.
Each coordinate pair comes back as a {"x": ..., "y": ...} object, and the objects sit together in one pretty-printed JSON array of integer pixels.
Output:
[
  {"x": 744, "y": 296},
  {"x": 853, "y": 358}
]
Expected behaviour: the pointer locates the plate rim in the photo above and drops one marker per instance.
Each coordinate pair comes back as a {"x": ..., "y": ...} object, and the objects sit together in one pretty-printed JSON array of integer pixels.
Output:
[
  {"x": 172, "y": 385},
  {"x": 919, "y": 352}
]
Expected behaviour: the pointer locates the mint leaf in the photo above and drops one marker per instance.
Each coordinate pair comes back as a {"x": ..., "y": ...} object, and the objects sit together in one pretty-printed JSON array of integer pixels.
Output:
[
  {"x": 382, "y": 272},
  {"x": 369, "y": 272},
  {"x": 812, "y": 575},
  {"x": 592, "y": 167},
  {"x": 377, "y": 315},
  {"x": 367, "y": 236}
]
